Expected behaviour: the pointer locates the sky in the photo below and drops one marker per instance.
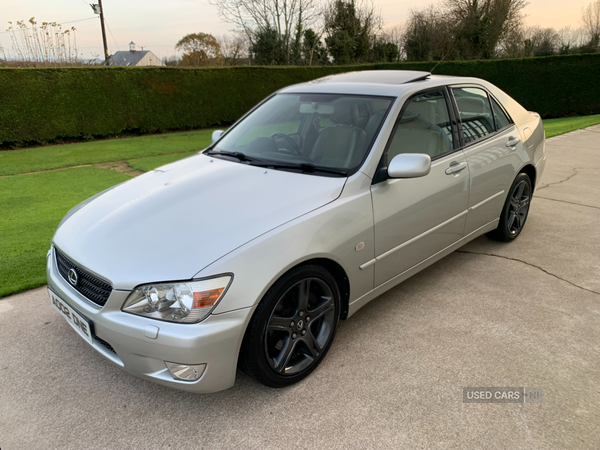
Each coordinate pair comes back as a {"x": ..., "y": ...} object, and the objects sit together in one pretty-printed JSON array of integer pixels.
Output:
[{"x": 157, "y": 25}]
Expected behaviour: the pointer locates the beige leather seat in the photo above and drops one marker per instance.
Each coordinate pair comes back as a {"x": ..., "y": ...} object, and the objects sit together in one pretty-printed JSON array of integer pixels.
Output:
[
  {"x": 418, "y": 132},
  {"x": 415, "y": 140},
  {"x": 470, "y": 105},
  {"x": 343, "y": 144}
]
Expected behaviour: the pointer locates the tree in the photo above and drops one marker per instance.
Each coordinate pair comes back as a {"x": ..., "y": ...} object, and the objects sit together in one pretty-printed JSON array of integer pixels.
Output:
[
  {"x": 199, "y": 49},
  {"x": 268, "y": 48},
  {"x": 385, "y": 52},
  {"x": 281, "y": 21},
  {"x": 569, "y": 40},
  {"x": 234, "y": 49},
  {"x": 429, "y": 36},
  {"x": 313, "y": 51},
  {"x": 351, "y": 29},
  {"x": 395, "y": 35},
  {"x": 480, "y": 25},
  {"x": 590, "y": 17}
]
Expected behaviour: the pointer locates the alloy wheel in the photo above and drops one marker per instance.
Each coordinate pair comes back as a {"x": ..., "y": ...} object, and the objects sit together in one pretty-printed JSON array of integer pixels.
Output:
[
  {"x": 300, "y": 326},
  {"x": 518, "y": 208}
]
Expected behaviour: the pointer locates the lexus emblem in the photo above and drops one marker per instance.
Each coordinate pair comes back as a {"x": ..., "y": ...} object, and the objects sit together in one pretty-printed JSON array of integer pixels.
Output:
[
  {"x": 73, "y": 277},
  {"x": 300, "y": 324}
]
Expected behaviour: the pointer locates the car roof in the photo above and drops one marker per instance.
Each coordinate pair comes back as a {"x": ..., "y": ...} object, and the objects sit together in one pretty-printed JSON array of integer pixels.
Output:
[{"x": 374, "y": 82}]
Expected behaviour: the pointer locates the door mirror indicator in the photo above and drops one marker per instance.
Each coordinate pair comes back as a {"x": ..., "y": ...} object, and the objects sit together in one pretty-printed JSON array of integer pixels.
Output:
[{"x": 409, "y": 165}]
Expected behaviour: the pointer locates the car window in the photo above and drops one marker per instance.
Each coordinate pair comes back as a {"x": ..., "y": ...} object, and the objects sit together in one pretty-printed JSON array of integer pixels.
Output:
[
  {"x": 285, "y": 120},
  {"x": 324, "y": 130},
  {"x": 502, "y": 119},
  {"x": 423, "y": 128},
  {"x": 475, "y": 113}
]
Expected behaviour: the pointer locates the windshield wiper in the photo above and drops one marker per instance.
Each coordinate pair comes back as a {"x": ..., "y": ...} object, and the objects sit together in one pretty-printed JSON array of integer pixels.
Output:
[
  {"x": 304, "y": 167},
  {"x": 239, "y": 155}
]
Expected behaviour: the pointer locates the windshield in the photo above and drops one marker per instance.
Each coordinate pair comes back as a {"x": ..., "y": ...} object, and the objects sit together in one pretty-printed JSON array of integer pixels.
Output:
[{"x": 327, "y": 131}]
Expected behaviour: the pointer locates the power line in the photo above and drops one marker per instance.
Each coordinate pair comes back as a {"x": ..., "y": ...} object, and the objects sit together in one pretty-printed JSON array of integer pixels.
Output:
[
  {"x": 111, "y": 33},
  {"x": 58, "y": 23}
]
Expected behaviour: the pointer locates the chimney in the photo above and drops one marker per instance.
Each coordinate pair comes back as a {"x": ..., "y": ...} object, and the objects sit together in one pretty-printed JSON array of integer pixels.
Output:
[{"x": 132, "y": 46}]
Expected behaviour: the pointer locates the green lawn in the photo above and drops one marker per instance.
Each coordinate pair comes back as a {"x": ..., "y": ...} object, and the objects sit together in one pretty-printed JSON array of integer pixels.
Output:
[
  {"x": 32, "y": 207},
  {"x": 65, "y": 155},
  {"x": 34, "y": 199},
  {"x": 34, "y": 203},
  {"x": 555, "y": 127},
  {"x": 152, "y": 162}
]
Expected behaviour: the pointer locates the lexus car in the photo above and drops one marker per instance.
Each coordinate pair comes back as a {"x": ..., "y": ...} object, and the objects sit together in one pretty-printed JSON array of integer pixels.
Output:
[{"x": 325, "y": 195}]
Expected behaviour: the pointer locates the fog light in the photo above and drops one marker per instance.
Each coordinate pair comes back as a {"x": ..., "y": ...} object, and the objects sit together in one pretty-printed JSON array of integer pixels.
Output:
[{"x": 185, "y": 372}]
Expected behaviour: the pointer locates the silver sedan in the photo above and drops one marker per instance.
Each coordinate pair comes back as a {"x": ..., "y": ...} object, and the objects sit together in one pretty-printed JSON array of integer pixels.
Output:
[{"x": 321, "y": 198}]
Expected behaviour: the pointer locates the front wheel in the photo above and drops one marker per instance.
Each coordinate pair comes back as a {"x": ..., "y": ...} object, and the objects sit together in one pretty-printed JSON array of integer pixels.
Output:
[
  {"x": 515, "y": 211},
  {"x": 292, "y": 328}
]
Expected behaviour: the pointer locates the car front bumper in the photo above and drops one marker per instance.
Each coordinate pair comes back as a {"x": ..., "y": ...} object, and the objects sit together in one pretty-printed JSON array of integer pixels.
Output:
[{"x": 215, "y": 341}]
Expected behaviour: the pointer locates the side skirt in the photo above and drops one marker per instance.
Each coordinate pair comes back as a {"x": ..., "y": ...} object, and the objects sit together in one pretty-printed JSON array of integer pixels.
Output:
[{"x": 362, "y": 301}]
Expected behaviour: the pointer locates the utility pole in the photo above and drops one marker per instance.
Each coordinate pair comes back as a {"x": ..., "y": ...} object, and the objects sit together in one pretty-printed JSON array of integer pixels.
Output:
[{"x": 98, "y": 9}]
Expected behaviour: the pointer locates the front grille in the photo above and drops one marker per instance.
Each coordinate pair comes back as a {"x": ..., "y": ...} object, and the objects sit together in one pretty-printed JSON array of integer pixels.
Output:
[
  {"x": 105, "y": 344},
  {"x": 88, "y": 285}
]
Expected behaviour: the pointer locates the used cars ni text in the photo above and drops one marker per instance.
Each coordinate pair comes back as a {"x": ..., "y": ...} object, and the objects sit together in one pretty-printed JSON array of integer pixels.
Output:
[{"x": 322, "y": 197}]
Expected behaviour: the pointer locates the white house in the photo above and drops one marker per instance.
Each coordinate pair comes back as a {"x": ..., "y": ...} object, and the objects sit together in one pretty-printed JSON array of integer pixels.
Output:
[{"x": 135, "y": 57}]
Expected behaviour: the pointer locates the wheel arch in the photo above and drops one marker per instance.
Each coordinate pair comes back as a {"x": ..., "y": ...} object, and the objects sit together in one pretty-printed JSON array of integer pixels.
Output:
[
  {"x": 530, "y": 171},
  {"x": 341, "y": 279}
]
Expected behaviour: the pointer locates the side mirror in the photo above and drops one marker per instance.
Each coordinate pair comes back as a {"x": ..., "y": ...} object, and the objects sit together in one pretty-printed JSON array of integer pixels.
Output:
[
  {"x": 216, "y": 136},
  {"x": 409, "y": 165}
]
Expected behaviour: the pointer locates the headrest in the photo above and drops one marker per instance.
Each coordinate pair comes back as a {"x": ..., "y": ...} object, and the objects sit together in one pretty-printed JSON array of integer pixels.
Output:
[
  {"x": 470, "y": 105},
  {"x": 425, "y": 109},
  {"x": 345, "y": 113}
]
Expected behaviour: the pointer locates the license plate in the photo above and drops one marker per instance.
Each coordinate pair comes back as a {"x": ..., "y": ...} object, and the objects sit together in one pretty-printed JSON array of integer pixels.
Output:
[{"x": 79, "y": 323}]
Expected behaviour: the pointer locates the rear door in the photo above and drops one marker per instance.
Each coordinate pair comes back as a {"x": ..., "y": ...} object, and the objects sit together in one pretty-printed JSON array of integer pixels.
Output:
[
  {"x": 491, "y": 144},
  {"x": 418, "y": 217}
]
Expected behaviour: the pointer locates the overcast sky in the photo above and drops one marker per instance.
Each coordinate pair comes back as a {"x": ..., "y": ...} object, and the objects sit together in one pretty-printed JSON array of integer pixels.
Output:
[{"x": 158, "y": 24}]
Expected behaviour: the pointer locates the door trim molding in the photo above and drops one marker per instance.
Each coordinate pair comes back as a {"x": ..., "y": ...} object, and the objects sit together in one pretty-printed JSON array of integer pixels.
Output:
[
  {"x": 410, "y": 241},
  {"x": 355, "y": 305},
  {"x": 486, "y": 200}
]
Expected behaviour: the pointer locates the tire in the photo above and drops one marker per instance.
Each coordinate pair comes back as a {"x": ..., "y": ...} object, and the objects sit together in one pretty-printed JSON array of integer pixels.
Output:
[
  {"x": 515, "y": 210},
  {"x": 283, "y": 344}
]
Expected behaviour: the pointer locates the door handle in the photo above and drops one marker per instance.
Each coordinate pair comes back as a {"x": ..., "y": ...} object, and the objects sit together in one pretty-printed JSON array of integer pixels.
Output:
[
  {"x": 512, "y": 142},
  {"x": 456, "y": 167}
]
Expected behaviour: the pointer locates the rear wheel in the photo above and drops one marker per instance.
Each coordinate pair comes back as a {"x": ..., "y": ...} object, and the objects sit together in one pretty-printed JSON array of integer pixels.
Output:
[
  {"x": 292, "y": 328},
  {"x": 515, "y": 211}
]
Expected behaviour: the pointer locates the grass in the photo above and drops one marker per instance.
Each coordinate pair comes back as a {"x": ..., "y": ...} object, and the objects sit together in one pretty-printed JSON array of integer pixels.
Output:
[
  {"x": 556, "y": 127},
  {"x": 32, "y": 206},
  {"x": 43, "y": 158},
  {"x": 152, "y": 162},
  {"x": 34, "y": 203}
]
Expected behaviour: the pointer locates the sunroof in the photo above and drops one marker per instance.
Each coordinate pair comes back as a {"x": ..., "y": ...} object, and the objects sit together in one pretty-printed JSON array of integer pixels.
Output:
[{"x": 380, "y": 76}]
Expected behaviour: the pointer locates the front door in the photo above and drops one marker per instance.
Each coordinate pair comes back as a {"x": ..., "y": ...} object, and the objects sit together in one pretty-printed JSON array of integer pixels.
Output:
[{"x": 416, "y": 218}]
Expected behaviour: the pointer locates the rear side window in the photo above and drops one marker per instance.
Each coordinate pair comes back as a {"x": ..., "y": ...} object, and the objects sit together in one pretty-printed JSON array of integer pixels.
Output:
[
  {"x": 475, "y": 113},
  {"x": 502, "y": 119}
]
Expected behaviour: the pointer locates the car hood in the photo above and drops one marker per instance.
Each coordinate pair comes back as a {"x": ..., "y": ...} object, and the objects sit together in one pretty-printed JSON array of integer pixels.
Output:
[{"x": 170, "y": 223}]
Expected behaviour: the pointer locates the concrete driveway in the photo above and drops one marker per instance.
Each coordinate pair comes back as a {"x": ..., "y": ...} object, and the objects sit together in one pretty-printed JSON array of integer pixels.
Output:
[{"x": 522, "y": 314}]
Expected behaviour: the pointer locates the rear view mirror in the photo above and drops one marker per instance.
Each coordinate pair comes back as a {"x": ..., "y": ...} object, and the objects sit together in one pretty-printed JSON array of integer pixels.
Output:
[
  {"x": 216, "y": 136},
  {"x": 409, "y": 165},
  {"x": 319, "y": 108}
]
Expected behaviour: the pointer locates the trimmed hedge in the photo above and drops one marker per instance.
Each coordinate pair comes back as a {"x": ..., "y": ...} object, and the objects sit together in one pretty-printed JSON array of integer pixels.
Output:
[{"x": 50, "y": 104}]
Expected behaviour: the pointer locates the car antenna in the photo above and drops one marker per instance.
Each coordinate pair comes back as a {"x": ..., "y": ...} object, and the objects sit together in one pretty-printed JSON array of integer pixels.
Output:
[
  {"x": 444, "y": 57},
  {"x": 434, "y": 67}
]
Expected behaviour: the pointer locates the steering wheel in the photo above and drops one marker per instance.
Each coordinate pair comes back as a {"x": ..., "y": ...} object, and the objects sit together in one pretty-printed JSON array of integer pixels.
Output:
[{"x": 290, "y": 140}]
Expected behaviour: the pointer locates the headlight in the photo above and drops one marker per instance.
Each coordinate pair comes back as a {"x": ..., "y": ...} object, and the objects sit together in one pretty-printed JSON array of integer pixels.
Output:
[{"x": 183, "y": 302}]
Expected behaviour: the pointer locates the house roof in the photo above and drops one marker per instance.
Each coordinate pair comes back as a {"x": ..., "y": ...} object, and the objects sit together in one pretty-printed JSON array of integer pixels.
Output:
[{"x": 128, "y": 58}]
